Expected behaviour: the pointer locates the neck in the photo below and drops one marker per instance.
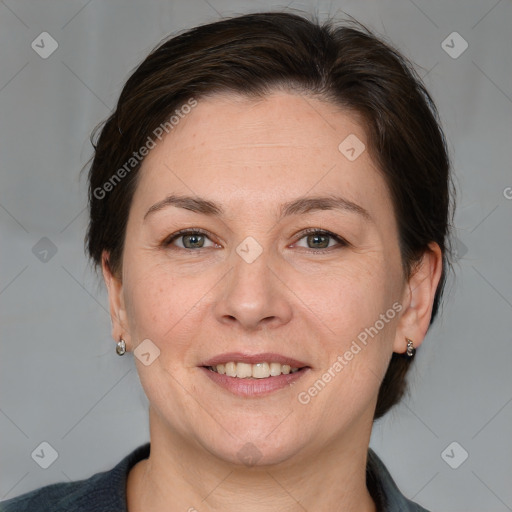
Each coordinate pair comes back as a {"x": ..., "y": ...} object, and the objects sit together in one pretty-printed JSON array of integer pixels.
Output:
[{"x": 182, "y": 476}]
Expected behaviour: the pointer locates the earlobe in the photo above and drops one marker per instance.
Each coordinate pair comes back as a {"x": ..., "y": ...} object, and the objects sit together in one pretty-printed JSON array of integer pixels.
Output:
[
  {"x": 116, "y": 302},
  {"x": 419, "y": 294}
]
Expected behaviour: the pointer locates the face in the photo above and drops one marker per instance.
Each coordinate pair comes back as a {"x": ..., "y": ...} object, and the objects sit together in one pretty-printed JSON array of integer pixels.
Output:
[{"x": 290, "y": 260}]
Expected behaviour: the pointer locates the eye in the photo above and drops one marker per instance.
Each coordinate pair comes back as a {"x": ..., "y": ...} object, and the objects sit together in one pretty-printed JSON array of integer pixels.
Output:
[
  {"x": 321, "y": 239},
  {"x": 196, "y": 239},
  {"x": 190, "y": 239}
]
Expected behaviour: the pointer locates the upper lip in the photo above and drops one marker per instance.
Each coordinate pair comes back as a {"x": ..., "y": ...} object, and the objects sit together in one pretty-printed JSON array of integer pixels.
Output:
[{"x": 264, "y": 357}]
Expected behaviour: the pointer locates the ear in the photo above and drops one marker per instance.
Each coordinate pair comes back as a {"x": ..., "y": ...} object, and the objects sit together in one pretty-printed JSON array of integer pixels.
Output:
[
  {"x": 418, "y": 299},
  {"x": 116, "y": 301}
]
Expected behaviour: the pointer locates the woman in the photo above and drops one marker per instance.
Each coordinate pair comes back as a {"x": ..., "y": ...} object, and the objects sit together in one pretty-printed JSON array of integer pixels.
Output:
[{"x": 269, "y": 205}]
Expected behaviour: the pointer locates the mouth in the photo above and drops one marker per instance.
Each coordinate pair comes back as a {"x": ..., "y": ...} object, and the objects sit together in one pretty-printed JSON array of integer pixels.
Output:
[
  {"x": 255, "y": 366},
  {"x": 253, "y": 375},
  {"x": 262, "y": 370}
]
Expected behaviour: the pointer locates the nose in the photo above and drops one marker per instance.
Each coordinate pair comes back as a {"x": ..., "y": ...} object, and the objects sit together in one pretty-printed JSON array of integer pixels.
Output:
[{"x": 253, "y": 296}]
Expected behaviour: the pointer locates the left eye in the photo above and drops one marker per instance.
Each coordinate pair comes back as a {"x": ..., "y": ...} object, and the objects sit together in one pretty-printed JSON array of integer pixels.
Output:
[{"x": 318, "y": 239}]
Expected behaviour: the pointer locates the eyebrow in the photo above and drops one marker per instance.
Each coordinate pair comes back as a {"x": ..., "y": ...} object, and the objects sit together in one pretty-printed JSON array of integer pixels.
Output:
[{"x": 298, "y": 206}]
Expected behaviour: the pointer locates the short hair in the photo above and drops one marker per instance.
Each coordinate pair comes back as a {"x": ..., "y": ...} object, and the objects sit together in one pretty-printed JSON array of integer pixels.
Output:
[{"x": 254, "y": 55}]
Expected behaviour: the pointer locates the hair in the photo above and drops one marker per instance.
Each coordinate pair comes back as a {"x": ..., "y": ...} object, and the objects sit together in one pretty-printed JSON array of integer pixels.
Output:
[{"x": 254, "y": 55}]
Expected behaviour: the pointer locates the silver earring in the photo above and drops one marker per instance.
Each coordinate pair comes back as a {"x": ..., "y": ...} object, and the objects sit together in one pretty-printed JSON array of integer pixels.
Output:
[
  {"x": 121, "y": 347},
  {"x": 410, "y": 348}
]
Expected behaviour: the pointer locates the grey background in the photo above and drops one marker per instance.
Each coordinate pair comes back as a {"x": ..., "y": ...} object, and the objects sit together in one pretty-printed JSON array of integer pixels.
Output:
[{"x": 61, "y": 381}]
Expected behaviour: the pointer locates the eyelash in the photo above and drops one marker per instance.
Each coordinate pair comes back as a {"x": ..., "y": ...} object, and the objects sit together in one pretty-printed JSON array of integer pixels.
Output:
[{"x": 322, "y": 232}]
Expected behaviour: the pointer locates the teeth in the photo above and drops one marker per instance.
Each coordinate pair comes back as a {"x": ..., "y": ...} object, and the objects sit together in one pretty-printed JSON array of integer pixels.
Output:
[
  {"x": 275, "y": 369},
  {"x": 256, "y": 371},
  {"x": 243, "y": 370},
  {"x": 230, "y": 369},
  {"x": 259, "y": 370}
]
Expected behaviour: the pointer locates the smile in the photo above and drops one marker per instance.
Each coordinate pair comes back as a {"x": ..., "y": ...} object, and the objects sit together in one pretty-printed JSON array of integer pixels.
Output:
[
  {"x": 253, "y": 375},
  {"x": 255, "y": 371}
]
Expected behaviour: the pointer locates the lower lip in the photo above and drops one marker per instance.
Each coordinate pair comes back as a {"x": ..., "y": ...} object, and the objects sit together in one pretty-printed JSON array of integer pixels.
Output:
[{"x": 254, "y": 387}]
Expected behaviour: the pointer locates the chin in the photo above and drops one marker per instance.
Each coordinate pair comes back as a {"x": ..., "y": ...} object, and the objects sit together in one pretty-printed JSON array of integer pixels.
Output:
[
  {"x": 252, "y": 447},
  {"x": 255, "y": 454}
]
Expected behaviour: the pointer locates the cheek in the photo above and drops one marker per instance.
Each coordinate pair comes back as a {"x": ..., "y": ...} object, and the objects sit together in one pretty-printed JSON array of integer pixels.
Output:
[
  {"x": 354, "y": 295},
  {"x": 166, "y": 308},
  {"x": 152, "y": 302},
  {"x": 359, "y": 347},
  {"x": 360, "y": 311}
]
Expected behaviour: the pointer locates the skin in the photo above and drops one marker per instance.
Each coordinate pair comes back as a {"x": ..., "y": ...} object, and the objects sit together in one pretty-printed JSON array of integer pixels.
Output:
[{"x": 297, "y": 298}]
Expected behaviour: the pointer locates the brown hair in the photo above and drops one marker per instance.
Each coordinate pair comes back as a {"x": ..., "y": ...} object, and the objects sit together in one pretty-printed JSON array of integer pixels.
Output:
[{"x": 255, "y": 54}]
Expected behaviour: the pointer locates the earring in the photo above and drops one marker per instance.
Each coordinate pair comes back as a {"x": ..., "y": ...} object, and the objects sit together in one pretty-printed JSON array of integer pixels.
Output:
[
  {"x": 410, "y": 348},
  {"x": 121, "y": 347}
]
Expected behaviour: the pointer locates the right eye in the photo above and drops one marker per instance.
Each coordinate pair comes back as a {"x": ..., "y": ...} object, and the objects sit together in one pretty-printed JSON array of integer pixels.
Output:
[{"x": 190, "y": 239}]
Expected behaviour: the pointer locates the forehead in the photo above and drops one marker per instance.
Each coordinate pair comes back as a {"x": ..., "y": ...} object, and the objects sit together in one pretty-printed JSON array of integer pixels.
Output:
[
  {"x": 267, "y": 127},
  {"x": 278, "y": 147}
]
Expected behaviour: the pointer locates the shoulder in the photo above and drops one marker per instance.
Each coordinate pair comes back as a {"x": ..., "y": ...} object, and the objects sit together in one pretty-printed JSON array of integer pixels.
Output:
[
  {"x": 384, "y": 490},
  {"x": 102, "y": 492},
  {"x": 55, "y": 497}
]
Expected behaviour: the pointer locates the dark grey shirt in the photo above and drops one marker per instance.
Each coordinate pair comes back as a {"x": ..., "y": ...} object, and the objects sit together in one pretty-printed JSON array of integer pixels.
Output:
[{"x": 106, "y": 491}]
